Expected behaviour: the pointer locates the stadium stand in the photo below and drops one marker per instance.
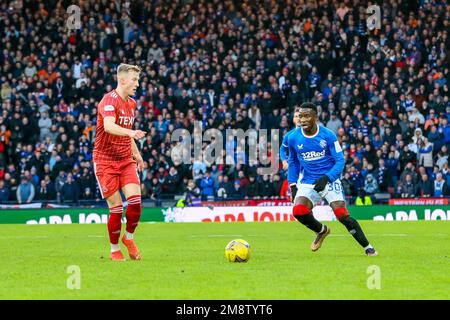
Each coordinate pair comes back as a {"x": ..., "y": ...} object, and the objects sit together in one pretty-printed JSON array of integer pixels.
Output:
[{"x": 228, "y": 64}]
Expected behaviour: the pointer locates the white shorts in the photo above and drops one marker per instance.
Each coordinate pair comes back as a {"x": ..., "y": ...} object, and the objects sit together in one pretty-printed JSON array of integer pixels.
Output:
[{"x": 333, "y": 192}]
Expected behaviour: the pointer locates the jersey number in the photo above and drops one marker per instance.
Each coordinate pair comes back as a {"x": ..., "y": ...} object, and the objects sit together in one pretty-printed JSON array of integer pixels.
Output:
[{"x": 336, "y": 186}]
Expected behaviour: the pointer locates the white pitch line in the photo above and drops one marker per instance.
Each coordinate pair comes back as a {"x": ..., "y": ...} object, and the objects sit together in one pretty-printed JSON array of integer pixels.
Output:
[
  {"x": 42, "y": 237},
  {"x": 24, "y": 237},
  {"x": 224, "y": 235}
]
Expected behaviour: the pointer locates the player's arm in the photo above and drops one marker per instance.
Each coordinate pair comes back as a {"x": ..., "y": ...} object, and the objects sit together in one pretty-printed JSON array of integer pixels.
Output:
[
  {"x": 134, "y": 149},
  {"x": 294, "y": 164},
  {"x": 293, "y": 169},
  {"x": 335, "y": 172},
  {"x": 109, "y": 123},
  {"x": 137, "y": 155},
  {"x": 283, "y": 152},
  {"x": 339, "y": 162}
]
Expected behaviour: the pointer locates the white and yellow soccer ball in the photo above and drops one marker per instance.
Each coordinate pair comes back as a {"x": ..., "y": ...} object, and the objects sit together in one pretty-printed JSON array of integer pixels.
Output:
[{"x": 237, "y": 250}]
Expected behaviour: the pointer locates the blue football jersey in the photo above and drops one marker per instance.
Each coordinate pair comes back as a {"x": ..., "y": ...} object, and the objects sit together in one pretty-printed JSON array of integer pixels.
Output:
[
  {"x": 316, "y": 155},
  {"x": 284, "y": 148},
  {"x": 293, "y": 172}
]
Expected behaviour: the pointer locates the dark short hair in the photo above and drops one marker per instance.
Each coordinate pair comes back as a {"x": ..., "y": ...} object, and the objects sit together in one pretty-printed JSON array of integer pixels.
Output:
[{"x": 309, "y": 105}]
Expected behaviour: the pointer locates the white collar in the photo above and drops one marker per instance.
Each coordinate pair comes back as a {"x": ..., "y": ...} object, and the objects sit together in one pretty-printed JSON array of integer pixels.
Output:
[{"x": 315, "y": 134}]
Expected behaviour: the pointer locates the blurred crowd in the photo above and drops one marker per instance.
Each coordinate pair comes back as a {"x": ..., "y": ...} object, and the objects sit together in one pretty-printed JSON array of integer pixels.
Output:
[{"x": 228, "y": 64}]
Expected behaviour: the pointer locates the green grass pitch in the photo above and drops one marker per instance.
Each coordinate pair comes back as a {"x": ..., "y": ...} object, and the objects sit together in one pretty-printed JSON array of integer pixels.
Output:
[{"x": 186, "y": 261}]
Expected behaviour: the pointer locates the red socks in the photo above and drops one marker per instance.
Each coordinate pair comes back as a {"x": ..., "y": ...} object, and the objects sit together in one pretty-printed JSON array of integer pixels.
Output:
[
  {"x": 115, "y": 223},
  {"x": 340, "y": 213},
  {"x": 133, "y": 212},
  {"x": 301, "y": 210}
]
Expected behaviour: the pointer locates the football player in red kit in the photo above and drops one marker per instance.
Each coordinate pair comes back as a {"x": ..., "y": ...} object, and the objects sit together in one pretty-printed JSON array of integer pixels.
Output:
[{"x": 116, "y": 159}]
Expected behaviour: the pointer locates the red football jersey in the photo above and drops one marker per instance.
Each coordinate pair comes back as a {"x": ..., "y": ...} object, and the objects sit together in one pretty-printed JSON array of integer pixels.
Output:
[{"x": 108, "y": 147}]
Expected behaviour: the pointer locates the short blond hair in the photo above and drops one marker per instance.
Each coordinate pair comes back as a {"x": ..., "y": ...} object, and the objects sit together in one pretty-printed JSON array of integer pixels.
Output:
[{"x": 125, "y": 68}]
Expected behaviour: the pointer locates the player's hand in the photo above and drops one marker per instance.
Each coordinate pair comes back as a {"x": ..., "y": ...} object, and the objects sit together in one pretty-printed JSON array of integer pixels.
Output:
[
  {"x": 137, "y": 134},
  {"x": 293, "y": 191},
  {"x": 321, "y": 183},
  {"x": 140, "y": 162},
  {"x": 285, "y": 165}
]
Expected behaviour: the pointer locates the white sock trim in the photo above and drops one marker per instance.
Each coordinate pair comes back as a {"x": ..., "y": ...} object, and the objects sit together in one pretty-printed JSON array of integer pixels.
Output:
[
  {"x": 368, "y": 247},
  {"x": 128, "y": 235},
  {"x": 115, "y": 247}
]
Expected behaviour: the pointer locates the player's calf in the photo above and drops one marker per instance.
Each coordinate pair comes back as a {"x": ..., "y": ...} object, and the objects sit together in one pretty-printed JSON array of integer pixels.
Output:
[
  {"x": 355, "y": 230},
  {"x": 133, "y": 215},
  {"x": 304, "y": 215},
  {"x": 114, "y": 229},
  {"x": 115, "y": 226}
]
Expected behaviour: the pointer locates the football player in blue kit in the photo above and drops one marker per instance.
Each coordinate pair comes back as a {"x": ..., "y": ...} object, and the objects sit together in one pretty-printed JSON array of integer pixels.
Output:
[{"x": 316, "y": 150}]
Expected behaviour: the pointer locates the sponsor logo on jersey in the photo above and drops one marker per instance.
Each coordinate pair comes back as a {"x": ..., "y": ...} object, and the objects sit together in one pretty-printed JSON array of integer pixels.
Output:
[
  {"x": 109, "y": 108},
  {"x": 126, "y": 121},
  {"x": 313, "y": 155}
]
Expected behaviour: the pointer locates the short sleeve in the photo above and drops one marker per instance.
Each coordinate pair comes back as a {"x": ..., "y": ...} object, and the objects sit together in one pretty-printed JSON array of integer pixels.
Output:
[
  {"x": 107, "y": 108},
  {"x": 334, "y": 144}
]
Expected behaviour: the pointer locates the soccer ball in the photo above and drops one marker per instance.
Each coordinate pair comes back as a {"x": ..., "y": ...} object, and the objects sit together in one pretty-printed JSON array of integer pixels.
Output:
[{"x": 237, "y": 250}]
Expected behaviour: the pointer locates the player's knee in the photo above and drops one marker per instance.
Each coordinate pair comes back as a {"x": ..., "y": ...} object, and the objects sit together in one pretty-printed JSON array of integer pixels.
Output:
[
  {"x": 115, "y": 200},
  {"x": 341, "y": 213},
  {"x": 116, "y": 204},
  {"x": 116, "y": 210},
  {"x": 301, "y": 210}
]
